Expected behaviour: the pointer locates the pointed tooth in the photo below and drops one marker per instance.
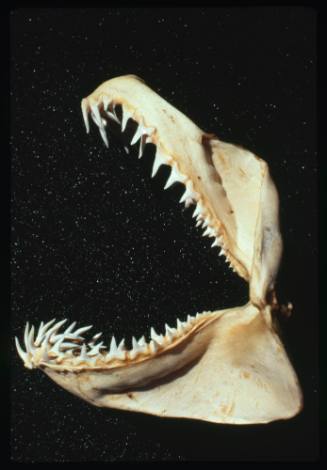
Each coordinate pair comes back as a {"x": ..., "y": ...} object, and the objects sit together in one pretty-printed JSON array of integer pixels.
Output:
[
  {"x": 142, "y": 145},
  {"x": 175, "y": 177},
  {"x": 96, "y": 336},
  {"x": 180, "y": 326},
  {"x": 69, "y": 345},
  {"x": 141, "y": 342},
  {"x": 23, "y": 355},
  {"x": 137, "y": 135},
  {"x": 206, "y": 232},
  {"x": 42, "y": 331},
  {"x": 159, "y": 160},
  {"x": 26, "y": 331},
  {"x": 126, "y": 115},
  {"x": 135, "y": 345},
  {"x": 85, "y": 115},
  {"x": 155, "y": 336},
  {"x": 222, "y": 252},
  {"x": 96, "y": 115},
  {"x": 198, "y": 210},
  {"x": 113, "y": 347},
  {"x": 82, "y": 330},
  {"x": 190, "y": 319},
  {"x": 104, "y": 136},
  {"x": 121, "y": 346},
  {"x": 215, "y": 243},
  {"x": 189, "y": 195},
  {"x": 94, "y": 351}
]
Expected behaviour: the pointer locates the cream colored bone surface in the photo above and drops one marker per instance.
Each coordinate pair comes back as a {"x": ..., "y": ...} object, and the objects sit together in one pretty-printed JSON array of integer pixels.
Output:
[{"x": 225, "y": 366}]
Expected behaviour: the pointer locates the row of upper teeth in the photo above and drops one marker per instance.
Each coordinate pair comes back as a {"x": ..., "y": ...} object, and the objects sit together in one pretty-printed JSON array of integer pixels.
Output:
[
  {"x": 48, "y": 346},
  {"x": 143, "y": 134}
]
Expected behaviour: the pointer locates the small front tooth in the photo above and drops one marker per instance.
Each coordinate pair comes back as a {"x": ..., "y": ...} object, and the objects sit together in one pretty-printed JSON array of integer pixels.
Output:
[
  {"x": 180, "y": 326},
  {"x": 215, "y": 243},
  {"x": 137, "y": 135},
  {"x": 159, "y": 160},
  {"x": 190, "y": 319},
  {"x": 85, "y": 115},
  {"x": 175, "y": 177},
  {"x": 126, "y": 115}
]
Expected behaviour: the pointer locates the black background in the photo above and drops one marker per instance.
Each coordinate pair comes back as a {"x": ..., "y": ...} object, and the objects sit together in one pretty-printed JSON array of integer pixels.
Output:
[{"x": 94, "y": 239}]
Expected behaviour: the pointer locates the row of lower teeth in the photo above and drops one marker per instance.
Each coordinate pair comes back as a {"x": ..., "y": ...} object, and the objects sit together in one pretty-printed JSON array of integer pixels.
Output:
[{"x": 50, "y": 346}]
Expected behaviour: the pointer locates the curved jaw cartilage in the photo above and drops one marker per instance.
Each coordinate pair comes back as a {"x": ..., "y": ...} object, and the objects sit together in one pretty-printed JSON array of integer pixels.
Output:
[{"x": 225, "y": 366}]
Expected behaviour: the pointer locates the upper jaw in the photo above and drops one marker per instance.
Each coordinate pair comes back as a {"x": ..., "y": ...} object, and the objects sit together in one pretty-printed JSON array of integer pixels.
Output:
[{"x": 236, "y": 200}]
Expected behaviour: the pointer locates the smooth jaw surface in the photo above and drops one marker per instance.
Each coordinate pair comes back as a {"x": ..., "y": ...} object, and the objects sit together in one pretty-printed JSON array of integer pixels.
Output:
[{"x": 225, "y": 366}]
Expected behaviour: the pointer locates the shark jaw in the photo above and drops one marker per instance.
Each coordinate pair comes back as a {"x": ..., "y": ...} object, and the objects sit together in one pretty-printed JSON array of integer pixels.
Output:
[{"x": 225, "y": 366}]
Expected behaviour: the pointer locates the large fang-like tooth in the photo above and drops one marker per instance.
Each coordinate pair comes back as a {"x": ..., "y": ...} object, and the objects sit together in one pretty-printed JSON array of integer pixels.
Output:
[
  {"x": 159, "y": 160},
  {"x": 42, "y": 331},
  {"x": 96, "y": 115},
  {"x": 175, "y": 177},
  {"x": 85, "y": 116},
  {"x": 82, "y": 330},
  {"x": 106, "y": 101}
]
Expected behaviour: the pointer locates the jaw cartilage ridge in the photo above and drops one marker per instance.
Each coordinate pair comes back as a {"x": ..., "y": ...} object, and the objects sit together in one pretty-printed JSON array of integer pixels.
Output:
[{"x": 50, "y": 348}]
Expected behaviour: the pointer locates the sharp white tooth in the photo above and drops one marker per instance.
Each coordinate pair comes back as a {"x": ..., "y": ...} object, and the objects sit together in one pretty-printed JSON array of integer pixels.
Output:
[
  {"x": 69, "y": 345},
  {"x": 126, "y": 115},
  {"x": 142, "y": 145},
  {"x": 198, "y": 210},
  {"x": 26, "y": 332},
  {"x": 215, "y": 243},
  {"x": 104, "y": 136},
  {"x": 206, "y": 232},
  {"x": 113, "y": 346},
  {"x": 155, "y": 336},
  {"x": 159, "y": 160},
  {"x": 142, "y": 341},
  {"x": 212, "y": 232},
  {"x": 94, "y": 351},
  {"x": 56, "y": 348},
  {"x": 175, "y": 177},
  {"x": 180, "y": 326},
  {"x": 23, "y": 355},
  {"x": 199, "y": 222},
  {"x": 82, "y": 330},
  {"x": 85, "y": 116},
  {"x": 42, "y": 331},
  {"x": 112, "y": 116},
  {"x": 222, "y": 252},
  {"x": 96, "y": 115},
  {"x": 54, "y": 329},
  {"x": 121, "y": 350},
  {"x": 97, "y": 336},
  {"x": 137, "y": 135}
]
